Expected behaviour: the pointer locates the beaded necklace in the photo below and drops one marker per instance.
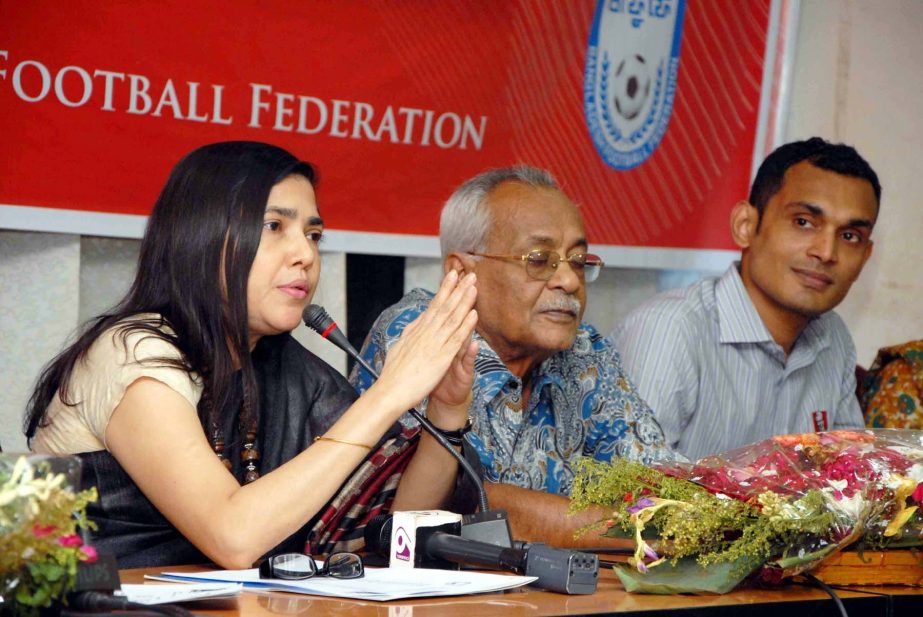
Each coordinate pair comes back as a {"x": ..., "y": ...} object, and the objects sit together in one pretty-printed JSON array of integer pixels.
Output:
[{"x": 249, "y": 455}]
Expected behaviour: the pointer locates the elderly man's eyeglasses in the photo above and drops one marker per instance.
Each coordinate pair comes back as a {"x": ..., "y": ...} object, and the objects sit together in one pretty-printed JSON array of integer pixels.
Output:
[
  {"x": 295, "y": 566},
  {"x": 542, "y": 265}
]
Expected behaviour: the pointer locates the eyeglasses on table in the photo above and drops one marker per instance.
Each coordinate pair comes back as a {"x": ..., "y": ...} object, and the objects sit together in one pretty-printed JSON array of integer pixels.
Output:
[{"x": 298, "y": 566}]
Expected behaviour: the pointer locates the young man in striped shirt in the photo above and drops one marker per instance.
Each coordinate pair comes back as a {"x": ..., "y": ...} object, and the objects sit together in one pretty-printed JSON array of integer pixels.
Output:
[{"x": 759, "y": 351}]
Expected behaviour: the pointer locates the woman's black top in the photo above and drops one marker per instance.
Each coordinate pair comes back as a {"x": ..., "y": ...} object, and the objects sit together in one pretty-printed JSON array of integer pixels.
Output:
[{"x": 301, "y": 396}]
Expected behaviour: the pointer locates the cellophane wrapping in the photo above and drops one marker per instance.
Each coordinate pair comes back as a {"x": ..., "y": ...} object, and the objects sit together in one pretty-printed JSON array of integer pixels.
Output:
[{"x": 769, "y": 510}]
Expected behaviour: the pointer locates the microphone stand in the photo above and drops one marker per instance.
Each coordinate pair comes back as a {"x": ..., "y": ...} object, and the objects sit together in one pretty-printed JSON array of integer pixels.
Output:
[{"x": 485, "y": 526}]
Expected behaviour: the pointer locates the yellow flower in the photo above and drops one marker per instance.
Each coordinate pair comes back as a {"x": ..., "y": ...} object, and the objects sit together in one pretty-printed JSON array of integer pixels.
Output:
[
  {"x": 639, "y": 519},
  {"x": 903, "y": 487}
]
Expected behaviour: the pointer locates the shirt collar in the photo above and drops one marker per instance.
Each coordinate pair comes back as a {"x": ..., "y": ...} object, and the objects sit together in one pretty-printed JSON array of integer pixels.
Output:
[
  {"x": 814, "y": 338},
  {"x": 738, "y": 320},
  {"x": 493, "y": 374}
]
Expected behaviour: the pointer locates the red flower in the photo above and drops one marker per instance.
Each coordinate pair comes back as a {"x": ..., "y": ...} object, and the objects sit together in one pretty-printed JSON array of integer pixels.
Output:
[
  {"x": 917, "y": 494},
  {"x": 89, "y": 554},
  {"x": 71, "y": 540},
  {"x": 628, "y": 498},
  {"x": 40, "y": 531}
]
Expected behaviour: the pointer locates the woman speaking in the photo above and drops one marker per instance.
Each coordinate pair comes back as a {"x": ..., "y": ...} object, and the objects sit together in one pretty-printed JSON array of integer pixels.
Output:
[{"x": 164, "y": 400}]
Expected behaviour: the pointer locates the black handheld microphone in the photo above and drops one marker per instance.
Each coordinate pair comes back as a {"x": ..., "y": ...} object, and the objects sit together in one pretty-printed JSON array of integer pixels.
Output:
[
  {"x": 316, "y": 318},
  {"x": 560, "y": 570}
]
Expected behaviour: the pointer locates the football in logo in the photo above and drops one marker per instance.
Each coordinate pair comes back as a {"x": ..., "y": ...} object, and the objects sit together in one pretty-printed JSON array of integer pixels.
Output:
[
  {"x": 632, "y": 86},
  {"x": 630, "y": 79}
]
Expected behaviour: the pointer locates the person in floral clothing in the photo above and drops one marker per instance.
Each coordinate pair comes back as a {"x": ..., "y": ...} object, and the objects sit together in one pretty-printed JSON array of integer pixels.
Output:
[{"x": 548, "y": 389}]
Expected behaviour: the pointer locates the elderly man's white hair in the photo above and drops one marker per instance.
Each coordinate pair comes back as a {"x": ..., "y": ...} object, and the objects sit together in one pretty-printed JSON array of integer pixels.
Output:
[{"x": 465, "y": 221}]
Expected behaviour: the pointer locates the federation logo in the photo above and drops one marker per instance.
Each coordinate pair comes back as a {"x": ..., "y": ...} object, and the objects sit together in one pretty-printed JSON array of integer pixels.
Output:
[{"x": 630, "y": 79}]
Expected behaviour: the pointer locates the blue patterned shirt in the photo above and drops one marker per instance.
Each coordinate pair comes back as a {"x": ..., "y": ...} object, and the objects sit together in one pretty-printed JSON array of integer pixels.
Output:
[{"x": 582, "y": 404}]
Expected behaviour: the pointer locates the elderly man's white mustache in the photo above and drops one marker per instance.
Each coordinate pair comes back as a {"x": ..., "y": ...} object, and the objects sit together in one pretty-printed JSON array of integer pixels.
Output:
[{"x": 564, "y": 304}]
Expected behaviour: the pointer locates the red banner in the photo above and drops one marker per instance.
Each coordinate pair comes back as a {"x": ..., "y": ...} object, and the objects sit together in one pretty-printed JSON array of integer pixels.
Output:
[{"x": 396, "y": 102}]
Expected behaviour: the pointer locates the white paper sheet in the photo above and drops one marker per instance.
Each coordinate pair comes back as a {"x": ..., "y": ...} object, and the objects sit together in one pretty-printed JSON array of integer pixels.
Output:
[
  {"x": 170, "y": 594},
  {"x": 379, "y": 584}
]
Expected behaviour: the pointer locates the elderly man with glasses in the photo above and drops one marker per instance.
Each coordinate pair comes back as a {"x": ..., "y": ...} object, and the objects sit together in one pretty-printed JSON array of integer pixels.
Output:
[{"x": 548, "y": 389}]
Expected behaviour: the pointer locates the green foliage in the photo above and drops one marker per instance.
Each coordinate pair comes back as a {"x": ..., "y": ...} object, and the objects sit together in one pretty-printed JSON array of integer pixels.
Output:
[
  {"x": 606, "y": 484},
  {"x": 712, "y": 529}
]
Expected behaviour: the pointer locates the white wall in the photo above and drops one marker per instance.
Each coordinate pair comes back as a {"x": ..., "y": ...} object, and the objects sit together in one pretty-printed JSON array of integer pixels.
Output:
[
  {"x": 39, "y": 277},
  {"x": 857, "y": 79}
]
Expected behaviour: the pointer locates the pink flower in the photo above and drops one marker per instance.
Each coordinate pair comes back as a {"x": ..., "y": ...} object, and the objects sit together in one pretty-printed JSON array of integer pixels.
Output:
[
  {"x": 40, "y": 531},
  {"x": 89, "y": 554},
  {"x": 70, "y": 541}
]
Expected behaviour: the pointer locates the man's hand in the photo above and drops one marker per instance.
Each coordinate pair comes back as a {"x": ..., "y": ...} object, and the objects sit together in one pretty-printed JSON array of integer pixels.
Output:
[
  {"x": 450, "y": 401},
  {"x": 536, "y": 516}
]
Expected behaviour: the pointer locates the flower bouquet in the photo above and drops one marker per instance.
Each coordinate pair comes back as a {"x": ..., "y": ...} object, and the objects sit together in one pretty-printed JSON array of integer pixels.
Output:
[
  {"x": 40, "y": 517},
  {"x": 768, "y": 511}
]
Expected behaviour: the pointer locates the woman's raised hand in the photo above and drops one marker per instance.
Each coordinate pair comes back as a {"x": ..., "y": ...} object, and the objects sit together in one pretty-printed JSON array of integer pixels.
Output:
[{"x": 438, "y": 339}]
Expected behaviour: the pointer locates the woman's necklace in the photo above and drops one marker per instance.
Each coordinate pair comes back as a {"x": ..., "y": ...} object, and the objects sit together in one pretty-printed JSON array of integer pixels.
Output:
[{"x": 249, "y": 455}]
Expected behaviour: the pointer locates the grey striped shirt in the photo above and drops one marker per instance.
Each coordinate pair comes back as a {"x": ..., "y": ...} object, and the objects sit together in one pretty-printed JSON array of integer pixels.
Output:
[{"x": 705, "y": 362}]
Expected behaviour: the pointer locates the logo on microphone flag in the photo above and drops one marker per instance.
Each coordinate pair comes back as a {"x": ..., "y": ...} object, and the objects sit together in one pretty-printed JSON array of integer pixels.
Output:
[
  {"x": 401, "y": 544},
  {"x": 630, "y": 77}
]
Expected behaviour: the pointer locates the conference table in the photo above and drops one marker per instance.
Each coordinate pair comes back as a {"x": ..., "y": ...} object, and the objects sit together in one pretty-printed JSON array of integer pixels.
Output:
[{"x": 791, "y": 600}]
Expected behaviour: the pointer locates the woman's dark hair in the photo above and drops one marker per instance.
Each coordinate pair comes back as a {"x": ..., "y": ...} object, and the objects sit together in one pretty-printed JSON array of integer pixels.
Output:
[
  {"x": 207, "y": 222},
  {"x": 838, "y": 158}
]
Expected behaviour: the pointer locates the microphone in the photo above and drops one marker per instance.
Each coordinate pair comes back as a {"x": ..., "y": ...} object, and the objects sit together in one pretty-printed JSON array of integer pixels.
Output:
[
  {"x": 316, "y": 318},
  {"x": 560, "y": 570}
]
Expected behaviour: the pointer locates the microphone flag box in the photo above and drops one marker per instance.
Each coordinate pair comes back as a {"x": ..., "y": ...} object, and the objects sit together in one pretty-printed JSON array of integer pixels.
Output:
[{"x": 410, "y": 532}]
